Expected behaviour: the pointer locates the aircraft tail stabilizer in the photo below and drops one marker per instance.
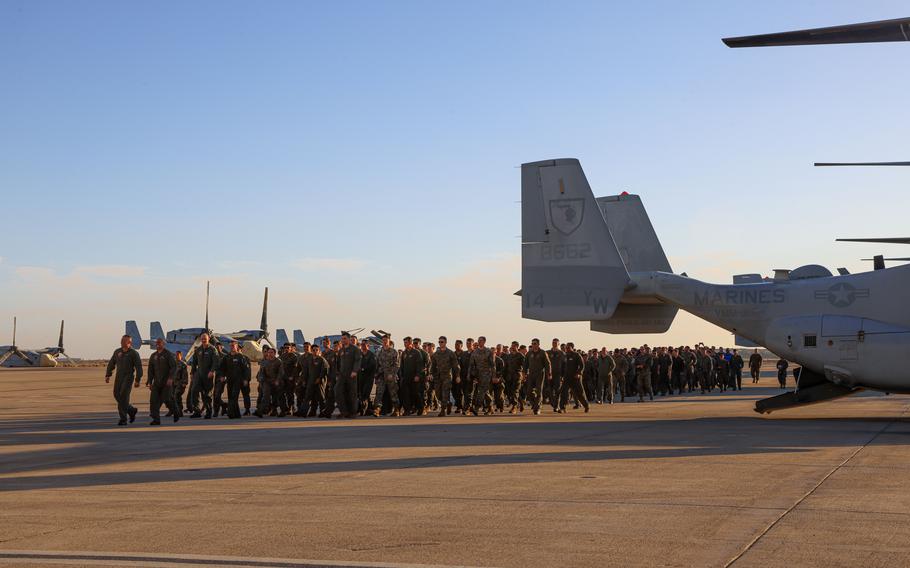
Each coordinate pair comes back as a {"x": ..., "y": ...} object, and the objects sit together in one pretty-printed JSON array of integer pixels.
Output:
[
  {"x": 571, "y": 269},
  {"x": 133, "y": 331},
  {"x": 641, "y": 251},
  {"x": 299, "y": 339},
  {"x": 156, "y": 331},
  {"x": 281, "y": 337}
]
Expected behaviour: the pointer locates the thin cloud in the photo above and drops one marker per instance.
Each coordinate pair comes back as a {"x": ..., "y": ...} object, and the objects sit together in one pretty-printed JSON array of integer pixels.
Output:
[
  {"x": 113, "y": 270},
  {"x": 334, "y": 264}
]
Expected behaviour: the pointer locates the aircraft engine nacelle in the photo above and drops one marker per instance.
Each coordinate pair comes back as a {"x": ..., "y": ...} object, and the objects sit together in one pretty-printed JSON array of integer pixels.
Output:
[
  {"x": 849, "y": 351},
  {"x": 252, "y": 350},
  {"x": 47, "y": 360}
]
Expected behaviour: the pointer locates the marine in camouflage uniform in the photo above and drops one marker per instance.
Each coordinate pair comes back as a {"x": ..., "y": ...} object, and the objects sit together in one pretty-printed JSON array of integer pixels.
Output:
[
  {"x": 205, "y": 363},
  {"x": 317, "y": 378},
  {"x": 444, "y": 367},
  {"x": 515, "y": 363},
  {"x": 330, "y": 354},
  {"x": 162, "y": 367},
  {"x": 271, "y": 381},
  {"x": 411, "y": 368},
  {"x": 498, "y": 386},
  {"x": 387, "y": 364},
  {"x": 128, "y": 364},
  {"x": 348, "y": 361},
  {"x": 557, "y": 363},
  {"x": 291, "y": 362},
  {"x": 571, "y": 382},
  {"x": 181, "y": 381},
  {"x": 303, "y": 380},
  {"x": 606, "y": 381},
  {"x": 460, "y": 387},
  {"x": 484, "y": 364},
  {"x": 366, "y": 377},
  {"x": 643, "y": 365},
  {"x": 235, "y": 370},
  {"x": 620, "y": 372},
  {"x": 537, "y": 372}
]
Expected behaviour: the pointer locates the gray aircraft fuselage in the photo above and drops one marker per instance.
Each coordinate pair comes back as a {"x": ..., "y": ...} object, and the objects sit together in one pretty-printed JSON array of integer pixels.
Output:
[{"x": 854, "y": 329}]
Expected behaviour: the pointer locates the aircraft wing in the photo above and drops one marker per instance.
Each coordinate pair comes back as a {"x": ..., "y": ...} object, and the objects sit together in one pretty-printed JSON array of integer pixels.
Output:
[{"x": 868, "y": 32}]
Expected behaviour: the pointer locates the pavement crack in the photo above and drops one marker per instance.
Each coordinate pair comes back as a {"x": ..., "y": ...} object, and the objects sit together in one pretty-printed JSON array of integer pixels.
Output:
[{"x": 799, "y": 501}]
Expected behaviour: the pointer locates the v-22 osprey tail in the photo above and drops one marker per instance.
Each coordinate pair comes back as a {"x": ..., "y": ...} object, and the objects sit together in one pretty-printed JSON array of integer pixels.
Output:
[{"x": 599, "y": 260}]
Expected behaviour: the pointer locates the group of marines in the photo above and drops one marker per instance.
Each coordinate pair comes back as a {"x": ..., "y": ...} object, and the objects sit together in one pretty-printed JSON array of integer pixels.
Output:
[{"x": 471, "y": 379}]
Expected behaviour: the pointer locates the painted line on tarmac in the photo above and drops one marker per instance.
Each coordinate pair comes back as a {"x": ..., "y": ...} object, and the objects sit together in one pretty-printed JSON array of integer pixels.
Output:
[{"x": 155, "y": 560}]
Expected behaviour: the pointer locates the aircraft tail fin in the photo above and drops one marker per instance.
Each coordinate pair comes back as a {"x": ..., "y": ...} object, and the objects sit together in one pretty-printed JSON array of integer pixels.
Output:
[
  {"x": 156, "y": 331},
  {"x": 641, "y": 251},
  {"x": 299, "y": 339},
  {"x": 133, "y": 331},
  {"x": 281, "y": 337},
  {"x": 571, "y": 269}
]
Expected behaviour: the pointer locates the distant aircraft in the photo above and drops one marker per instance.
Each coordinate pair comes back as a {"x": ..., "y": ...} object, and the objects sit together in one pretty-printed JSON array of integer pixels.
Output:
[
  {"x": 186, "y": 339},
  {"x": 281, "y": 337},
  {"x": 374, "y": 340},
  {"x": 599, "y": 260},
  {"x": 13, "y": 356}
]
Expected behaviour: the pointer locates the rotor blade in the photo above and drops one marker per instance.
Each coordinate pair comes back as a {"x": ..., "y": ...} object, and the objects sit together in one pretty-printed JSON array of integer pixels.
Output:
[
  {"x": 5, "y": 356},
  {"x": 866, "y": 32},
  {"x": 264, "y": 324},
  {"x": 886, "y": 240},
  {"x": 903, "y": 259},
  {"x": 207, "y": 283},
  {"x": 14, "y": 331},
  {"x": 823, "y": 164},
  {"x": 60, "y": 342},
  {"x": 24, "y": 357}
]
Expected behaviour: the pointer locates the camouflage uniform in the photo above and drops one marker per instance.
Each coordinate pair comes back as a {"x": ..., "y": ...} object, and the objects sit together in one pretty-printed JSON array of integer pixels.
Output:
[
  {"x": 483, "y": 363},
  {"x": 643, "y": 364},
  {"x": 181, "y": 380},
  {"x": 128, "y": 363},
  {"x": 537, "y": 370},
  {"x": 606, "y": 382},
  {"x": 162, "y": 366},
  {"x": 571, "y": 382},
  {"x": 205, "y": 361},
  {"x": 331, "y": 357},
  {"x": 515, "y": 363},
  {"x": 302, "y": 385},
  {"x": 317, "y": 378},
  {"x": 498, "y": 386},
  {"x": 619, "y": 374},
  {"x": 412, "y": 367},
  {"x": 387, "y": 363},
  {"x": 365, "y": 380},
  {"x": 444, "y": 367},
  {"x": 235, "y": 369},
  {"x": 460, "y": 388},
  {"x": 346, "y": 385},
  {"x": 271, "y": 381},
  {"x": 557, "y": 363}
]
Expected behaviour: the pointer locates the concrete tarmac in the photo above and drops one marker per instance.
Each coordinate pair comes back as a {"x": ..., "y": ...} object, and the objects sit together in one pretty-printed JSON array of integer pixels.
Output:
[{"x": 691, "y": 480}]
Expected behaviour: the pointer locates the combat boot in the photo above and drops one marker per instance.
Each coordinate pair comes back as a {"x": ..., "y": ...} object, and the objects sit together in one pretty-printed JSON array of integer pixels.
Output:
[
  {"x": 133, "y": 412},
  {"x": 513, "y": 410},
  {"x": 377, "y": 412},
  {"x": 246, "y": 412},
  {"x": 121, "y": 423},
  {"x": 442, "y": 412},
  {"x": 155, "y": 422},
  {"x": 449, "y": 409}
]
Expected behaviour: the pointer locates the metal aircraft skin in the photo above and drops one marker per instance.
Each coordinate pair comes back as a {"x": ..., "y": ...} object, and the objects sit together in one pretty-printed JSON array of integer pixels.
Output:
[
  {"x": 186, "y": 339},
  {"x": 599, "y": 260},
  {"x": 14, "y": 356}
]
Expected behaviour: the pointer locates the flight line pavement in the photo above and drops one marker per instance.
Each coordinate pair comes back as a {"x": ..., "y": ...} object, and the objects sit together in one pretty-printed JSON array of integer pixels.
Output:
[{"x": 691, "y": 480}]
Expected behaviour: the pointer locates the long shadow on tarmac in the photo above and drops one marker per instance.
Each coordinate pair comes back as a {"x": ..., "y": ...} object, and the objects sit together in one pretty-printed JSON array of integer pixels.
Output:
[{"x": 87, "y": 440}]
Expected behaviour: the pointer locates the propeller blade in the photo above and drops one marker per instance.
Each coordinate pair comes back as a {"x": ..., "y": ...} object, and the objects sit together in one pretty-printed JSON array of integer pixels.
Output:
[
  {"x": 896, "y": 259},
  {"x": 14, "y": 332},
  {"x": 207, "y": 284},
  {"x": 264, "y": 324},
  {"x": 60, "y": 342},
  {"x": 823, "y": 164},
  {"x": 23, "y": 356},
  {"x": 5, "y": 356},
  {"x": 886, "y": 240},
  {"x": 866, "y": 32}
]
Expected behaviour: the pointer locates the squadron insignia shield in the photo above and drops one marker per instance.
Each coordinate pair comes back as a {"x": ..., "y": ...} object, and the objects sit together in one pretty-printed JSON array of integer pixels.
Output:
[{"x": 566, "y": 214}]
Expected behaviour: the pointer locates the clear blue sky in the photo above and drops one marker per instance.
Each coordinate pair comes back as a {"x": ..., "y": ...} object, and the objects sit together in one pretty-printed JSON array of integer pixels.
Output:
[{"x": 327, "y": 148}]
